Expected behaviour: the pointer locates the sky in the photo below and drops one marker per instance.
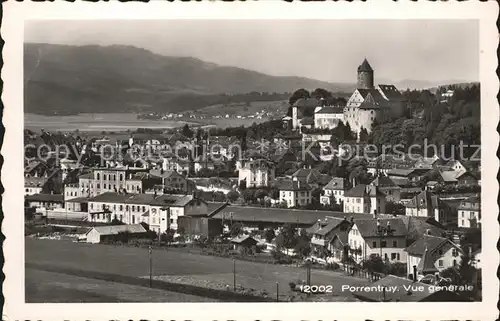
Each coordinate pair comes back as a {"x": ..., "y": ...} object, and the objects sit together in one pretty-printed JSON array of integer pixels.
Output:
[{"x": 329, "y": 50}]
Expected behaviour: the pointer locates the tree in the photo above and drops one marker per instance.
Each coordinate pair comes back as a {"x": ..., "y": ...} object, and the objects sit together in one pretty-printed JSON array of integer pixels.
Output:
[
  {"x": 260, "y": 193},
  {"x": 269, "y": 235},
  {"x": 363, "y": 135},
  {"x": 248, "y": 195},
  {"x": 232, "y": 196},
  {"x": 374, "y": 264},
  {"x": 236, "y": 229},
  {"x": 274, "y": 193},
  {"x": 300, "y": 93},
  {"x": 320, "y": 93},
  {"x": 187, "y": 132},
  {"x": 289, "y": 233},
  {"x": 302, "y": 244},
  {"x": 394, "y": 208}
]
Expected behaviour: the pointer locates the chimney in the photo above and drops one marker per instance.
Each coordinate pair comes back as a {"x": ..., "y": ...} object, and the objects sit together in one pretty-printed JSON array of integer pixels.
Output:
[{"x": 414, "y": 273}]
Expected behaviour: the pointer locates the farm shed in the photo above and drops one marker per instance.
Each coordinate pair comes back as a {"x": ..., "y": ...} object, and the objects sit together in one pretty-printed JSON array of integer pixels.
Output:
[{"x": 98, "y": 233}]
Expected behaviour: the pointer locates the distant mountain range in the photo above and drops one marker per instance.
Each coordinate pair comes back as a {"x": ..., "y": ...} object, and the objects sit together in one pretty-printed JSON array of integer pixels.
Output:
[
  {"x": 77, "y": 79},
  {"x": 117, "y": 78}
]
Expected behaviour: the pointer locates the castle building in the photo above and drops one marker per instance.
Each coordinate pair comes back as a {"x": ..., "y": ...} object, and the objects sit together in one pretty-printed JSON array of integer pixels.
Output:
[{"x": 371, "y": 103}]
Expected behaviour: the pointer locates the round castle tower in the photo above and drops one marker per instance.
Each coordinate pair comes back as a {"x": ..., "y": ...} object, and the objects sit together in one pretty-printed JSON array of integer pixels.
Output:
[{"x": 365, "y": 76}]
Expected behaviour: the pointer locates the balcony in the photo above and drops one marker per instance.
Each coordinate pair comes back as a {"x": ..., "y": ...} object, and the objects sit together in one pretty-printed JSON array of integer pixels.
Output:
[{"x": 317, "y": 241}]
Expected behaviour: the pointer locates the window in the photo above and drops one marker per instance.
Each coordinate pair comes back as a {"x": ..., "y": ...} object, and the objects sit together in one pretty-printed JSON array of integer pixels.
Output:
[
  {"x": 454, "y": 262},
  {"x": 121, "y": 177},
  {"x": 394, "y": 243},
  {"x": 454, "y": 252},
  {"x": 105, "y": 186},
  {"x": 393, "y": 256},
  {"x": 463, "y": 223},
  {"x": 121, "y": 207},
  {"x": 133, "y": 219},
  {"x": 374, "y": 244},
  {"x": 114, "y": 207},
  {"x": 121, "y": 218},
  {"x": 98, "y": 176},
  {"x": 171, "y": 221},
  {"x": 98, "y": 185},
  {"x": 358, "y": 200},
  {"x": 440, "y": 263},
  {"x": 463, "y": 213},
  {"x": 104, "y": 177},
  {"x": 383, "y": 244},
  {"x": 133, "y": 208},
  {"x": 144, "y": 208},
  {"x": 91, "y": 206},
  {"x": 126, "y": 207}
]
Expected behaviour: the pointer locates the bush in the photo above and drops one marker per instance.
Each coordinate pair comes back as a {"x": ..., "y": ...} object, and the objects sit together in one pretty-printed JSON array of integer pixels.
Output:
[
  {"x": 397, "y": 268},
  {"x": 332, "y": 266},
  {"x": 140, "y": 242}
]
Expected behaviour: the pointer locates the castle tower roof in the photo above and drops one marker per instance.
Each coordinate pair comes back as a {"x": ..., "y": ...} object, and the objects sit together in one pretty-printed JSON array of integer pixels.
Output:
[{"x": 365, "y": 66}]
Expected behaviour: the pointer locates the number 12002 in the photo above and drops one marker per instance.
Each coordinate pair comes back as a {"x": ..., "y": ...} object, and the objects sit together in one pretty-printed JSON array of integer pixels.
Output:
[{"x": 316, "y": 288}]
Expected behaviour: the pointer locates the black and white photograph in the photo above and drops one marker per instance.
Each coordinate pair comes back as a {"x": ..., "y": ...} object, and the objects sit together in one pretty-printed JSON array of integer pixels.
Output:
[{"x": 255, "y": 160}]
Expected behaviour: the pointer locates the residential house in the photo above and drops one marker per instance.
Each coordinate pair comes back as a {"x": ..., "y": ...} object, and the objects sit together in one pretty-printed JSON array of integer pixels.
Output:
[
  {"x": 44, "y": 202},
  {"x": 408, "y": 175},
  {"x": 329, "y": 237},
  {"x": 427, "y": 204},
  {"x": 97, "y": 234},
  {"x": 431, "y": 254},
  {"x": 469, "y": 178},
  {"x": 312, "y": 177},
  {"x": 256, "y": 172},
  {"x": 469, "y": 213},
  {"x": 388, "y": 187},
  {"x": 303, "y": 109},
  {"x": 294, "y": 192},
  {"x": 333, "y": 191},
  {"x": 171, "y": 180},
  {"x": 159, "y": 211},
  {"x": 364, "y": 199},
  {"x": 328, "y": 117},
  {"x": 178, "y": 206},
  {"x": 35, "y": 185},
  {"x": 384, "y": 163},
  {"x": 116, "y": 179},
  {"x": 427, "y": 162},
  {"x": 36, "y": 168},
  {"x": 385, "y": 237}
]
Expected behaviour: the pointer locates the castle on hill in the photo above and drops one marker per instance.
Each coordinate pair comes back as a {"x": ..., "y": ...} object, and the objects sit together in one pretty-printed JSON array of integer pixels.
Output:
[{"x": 367, "y": 104}]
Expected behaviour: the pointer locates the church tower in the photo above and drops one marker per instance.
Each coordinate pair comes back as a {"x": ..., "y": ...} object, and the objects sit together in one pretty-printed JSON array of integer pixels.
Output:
[{"x": 365, "y": 76}]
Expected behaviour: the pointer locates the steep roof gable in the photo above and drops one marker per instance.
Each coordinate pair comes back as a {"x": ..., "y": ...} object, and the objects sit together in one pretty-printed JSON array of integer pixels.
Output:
[{"x": 365, "y": 66}]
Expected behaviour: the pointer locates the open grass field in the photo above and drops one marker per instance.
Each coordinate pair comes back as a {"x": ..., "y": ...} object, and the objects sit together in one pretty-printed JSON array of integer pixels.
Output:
[
  {"x": 43, "y": 286},
  {"x": 103, "y": 261}
]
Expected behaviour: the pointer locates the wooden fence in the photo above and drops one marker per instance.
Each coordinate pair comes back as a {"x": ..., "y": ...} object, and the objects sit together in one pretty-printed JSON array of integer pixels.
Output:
[{"x": 365, "y": 274}]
